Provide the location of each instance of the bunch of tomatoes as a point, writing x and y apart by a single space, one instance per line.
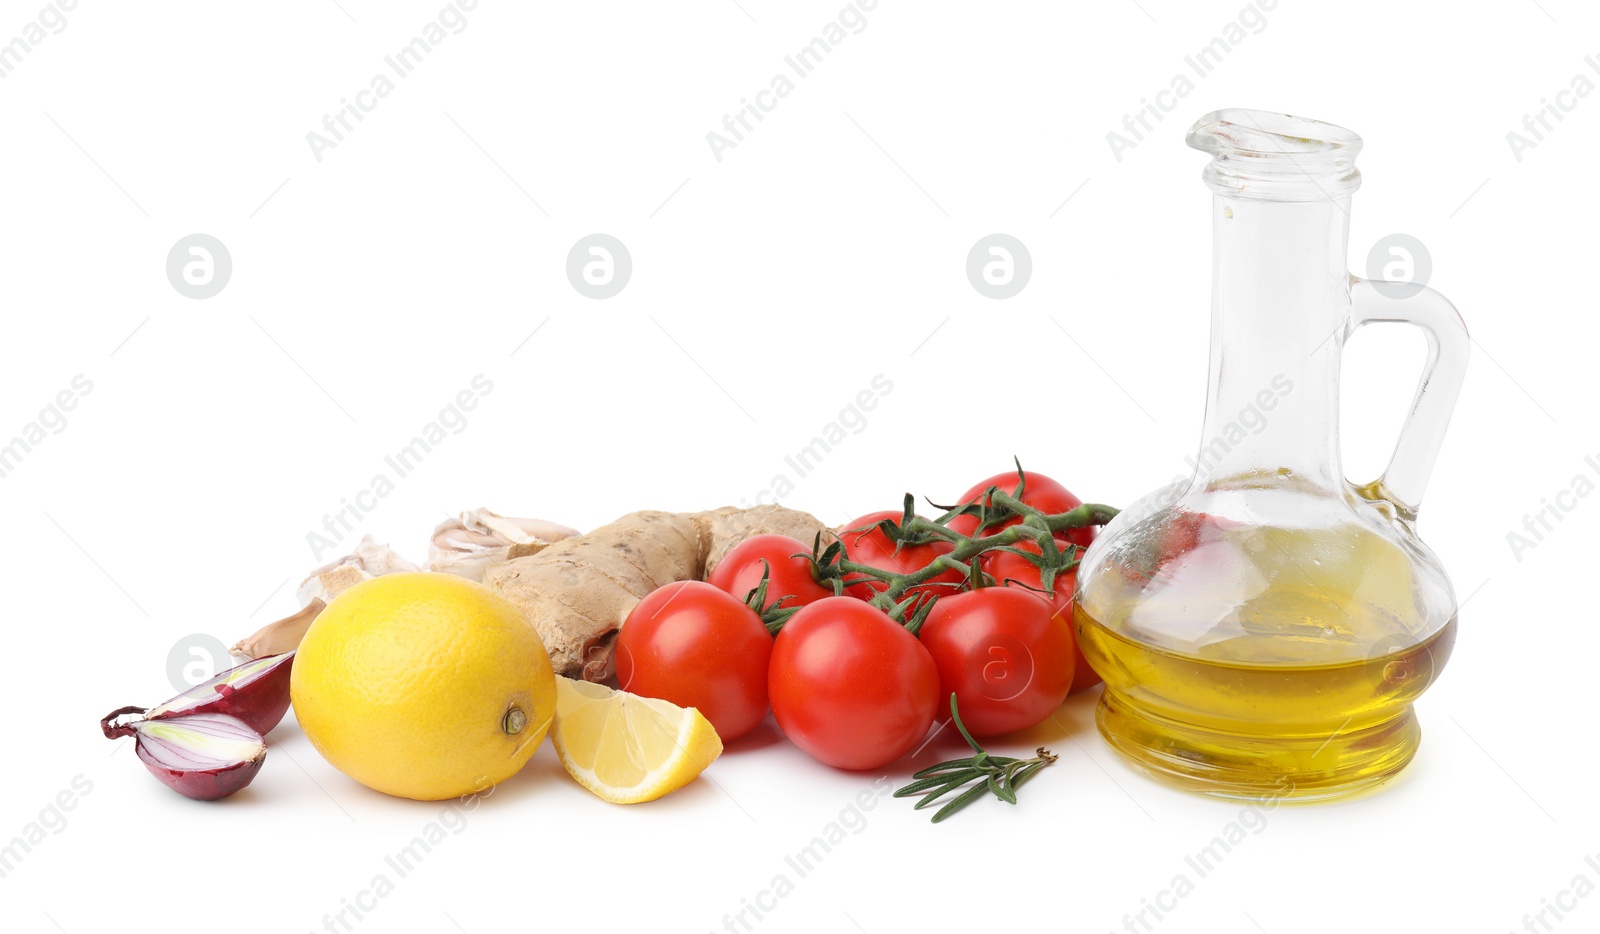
853 677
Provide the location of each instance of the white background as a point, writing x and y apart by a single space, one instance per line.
768 288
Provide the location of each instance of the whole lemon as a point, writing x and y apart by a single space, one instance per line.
423 685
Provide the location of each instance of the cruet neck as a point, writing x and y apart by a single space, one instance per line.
1262 156
1280 300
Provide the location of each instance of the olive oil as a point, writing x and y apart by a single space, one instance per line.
1266 626
1295 676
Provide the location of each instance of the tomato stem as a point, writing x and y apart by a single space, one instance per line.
773 615
995 507
1036 527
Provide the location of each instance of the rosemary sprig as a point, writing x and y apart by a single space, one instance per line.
1001 776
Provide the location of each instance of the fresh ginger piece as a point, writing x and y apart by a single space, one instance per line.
578 592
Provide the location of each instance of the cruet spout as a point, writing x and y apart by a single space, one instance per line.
1264 156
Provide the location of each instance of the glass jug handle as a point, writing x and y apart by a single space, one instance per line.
1405 479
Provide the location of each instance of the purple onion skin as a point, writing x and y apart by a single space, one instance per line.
201 784
204 785
261 703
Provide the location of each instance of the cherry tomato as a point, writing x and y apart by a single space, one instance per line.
850 686
790 578
696 646
1005 653
1180 534
1039 491
1186 531
1006 564
874 548
1008 568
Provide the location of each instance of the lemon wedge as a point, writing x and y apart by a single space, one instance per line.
626 748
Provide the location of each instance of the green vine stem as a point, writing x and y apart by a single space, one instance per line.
833 564
773 615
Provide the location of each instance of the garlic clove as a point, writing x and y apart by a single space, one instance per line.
370 559
478 539
279 636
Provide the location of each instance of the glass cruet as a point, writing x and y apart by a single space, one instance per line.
1265 627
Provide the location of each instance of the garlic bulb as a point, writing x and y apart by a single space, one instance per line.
478 539
370 559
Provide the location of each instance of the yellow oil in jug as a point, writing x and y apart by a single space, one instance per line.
1303 689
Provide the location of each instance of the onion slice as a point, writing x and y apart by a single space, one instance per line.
204 756
256 692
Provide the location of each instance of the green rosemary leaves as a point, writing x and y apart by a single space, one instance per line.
1000 776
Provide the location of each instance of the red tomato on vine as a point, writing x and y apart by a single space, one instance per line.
850 686
1005 653
790 581
873 547
1039 491
695 646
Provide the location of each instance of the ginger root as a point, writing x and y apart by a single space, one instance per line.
578 592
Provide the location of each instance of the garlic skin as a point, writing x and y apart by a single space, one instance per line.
478 539
465 546
278 636
370 559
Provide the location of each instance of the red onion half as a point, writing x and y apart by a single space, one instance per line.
204 756
256 692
